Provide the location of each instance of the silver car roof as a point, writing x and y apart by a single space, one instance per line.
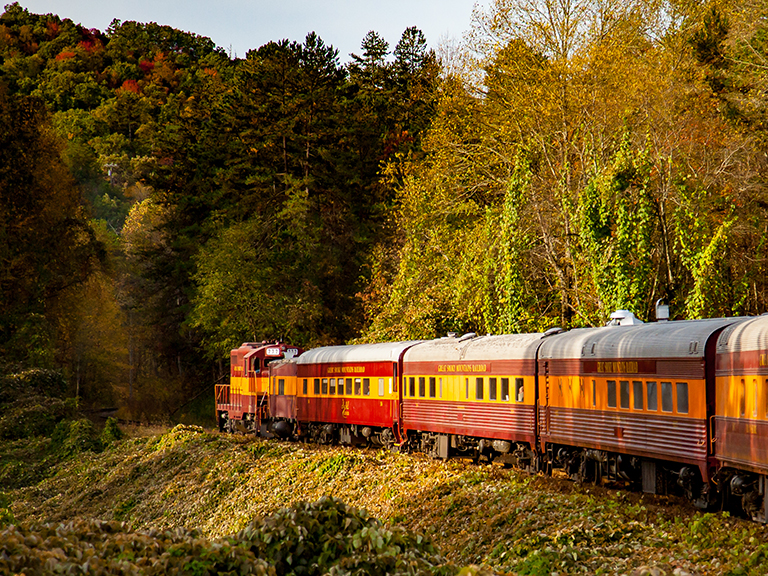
503 347
745 336
383 352
681 338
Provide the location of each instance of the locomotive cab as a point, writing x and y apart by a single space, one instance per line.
242 404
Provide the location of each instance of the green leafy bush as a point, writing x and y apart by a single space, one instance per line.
75 436
325 537
329 536
111 432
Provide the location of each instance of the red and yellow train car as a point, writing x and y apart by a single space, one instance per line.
242 403
631 402
740 419
473 396
350 393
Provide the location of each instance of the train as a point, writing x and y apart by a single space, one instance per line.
665 406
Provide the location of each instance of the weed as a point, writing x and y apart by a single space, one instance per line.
123 510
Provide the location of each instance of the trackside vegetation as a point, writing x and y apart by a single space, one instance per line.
169 499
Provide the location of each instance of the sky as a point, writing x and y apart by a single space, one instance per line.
241 25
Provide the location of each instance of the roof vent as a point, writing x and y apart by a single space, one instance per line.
623 318
552 331
467 336
662 311
451 334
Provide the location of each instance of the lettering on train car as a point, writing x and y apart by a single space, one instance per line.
763 359
620 367
463 367
345 408
346 370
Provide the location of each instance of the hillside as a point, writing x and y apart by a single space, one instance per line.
475 515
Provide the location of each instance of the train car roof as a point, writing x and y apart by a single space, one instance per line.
282 367
677 339
383 352
502 347
747 336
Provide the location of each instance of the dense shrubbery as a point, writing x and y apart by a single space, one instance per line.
326 537
34 382
34 416
33 404
40 427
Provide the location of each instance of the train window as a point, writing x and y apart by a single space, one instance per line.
332 386
765 397
390 386
754 406
432 387
281 387
666 396
491 388
611 393
304 387
349 386
624 393
637 394
317 385
441 387
594 393
505 389
682 397
381 386
422 387
412 386
366 386
479 388
519 390
325 386
742 398
466 392
358 386
651 396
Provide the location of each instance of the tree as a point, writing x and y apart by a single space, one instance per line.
46 244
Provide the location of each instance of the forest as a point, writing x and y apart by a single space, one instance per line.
162 202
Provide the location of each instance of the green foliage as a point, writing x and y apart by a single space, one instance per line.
73 437
109 547
34 416
324 537
330 536
617 225
6 516
111 432
32 382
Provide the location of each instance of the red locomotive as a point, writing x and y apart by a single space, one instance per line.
242 404
661 405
